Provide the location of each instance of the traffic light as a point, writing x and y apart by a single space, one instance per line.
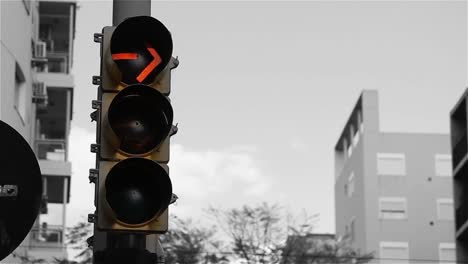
133 188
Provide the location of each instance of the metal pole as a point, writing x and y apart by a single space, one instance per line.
123 9
64 212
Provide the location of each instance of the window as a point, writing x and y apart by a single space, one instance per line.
20 92
356 138
391 164
392 208
350 184
447 253
345 148
350 150
445 209
443 165
360 122
394 252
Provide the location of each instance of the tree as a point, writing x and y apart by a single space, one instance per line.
321 248
256 233
185 243
76 238
265 234
32 260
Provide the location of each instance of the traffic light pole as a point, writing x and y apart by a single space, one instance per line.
128 8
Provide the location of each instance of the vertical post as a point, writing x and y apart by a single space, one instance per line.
68 119
159 251
70 37
128 8
153 245
64 213
44 186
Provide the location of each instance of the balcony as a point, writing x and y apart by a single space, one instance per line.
57 31
51 132
458 135
460 150
40 94
55 62
461 215
51 149
46 243
47 236
53 125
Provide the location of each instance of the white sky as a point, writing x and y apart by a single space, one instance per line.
264 88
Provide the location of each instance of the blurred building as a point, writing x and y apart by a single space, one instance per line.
36 94
458 134
393 191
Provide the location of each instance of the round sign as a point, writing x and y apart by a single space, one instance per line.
20 189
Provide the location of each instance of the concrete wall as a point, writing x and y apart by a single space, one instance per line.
15 48
15 39
352 207
421 188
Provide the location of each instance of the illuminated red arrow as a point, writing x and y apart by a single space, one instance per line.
125 56
150 67
133 56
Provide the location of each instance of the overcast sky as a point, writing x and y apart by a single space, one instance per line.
264 89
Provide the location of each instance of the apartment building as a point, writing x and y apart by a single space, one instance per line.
393 191
36 92
459 144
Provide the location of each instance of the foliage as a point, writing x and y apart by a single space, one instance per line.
310 249
76 238
26 259
65 261
266 234
260 234
185 243
253 231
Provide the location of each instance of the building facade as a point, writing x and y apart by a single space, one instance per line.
393 191
459 144
36 92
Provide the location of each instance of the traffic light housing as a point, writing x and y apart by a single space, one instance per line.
133 188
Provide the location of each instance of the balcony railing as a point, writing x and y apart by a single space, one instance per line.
51 149
41 237
459 150
461 215
40 94
56 62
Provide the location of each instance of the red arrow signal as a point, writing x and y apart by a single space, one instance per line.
125 56
151 66
133 56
